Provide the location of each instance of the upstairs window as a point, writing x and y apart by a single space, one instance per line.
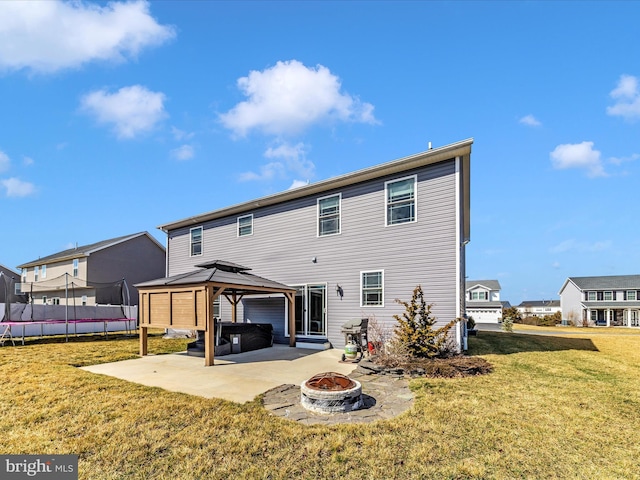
608 296
36 273
401 200
245 225
372 289
196 241
592 296
24 275
479 295
329 215
75 267
43 271
631 295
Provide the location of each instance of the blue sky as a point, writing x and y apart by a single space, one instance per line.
117 117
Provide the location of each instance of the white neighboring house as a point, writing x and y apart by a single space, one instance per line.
538 308
483 301
610 300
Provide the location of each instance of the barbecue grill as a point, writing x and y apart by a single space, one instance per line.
355 339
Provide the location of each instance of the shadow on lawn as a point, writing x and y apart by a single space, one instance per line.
506 343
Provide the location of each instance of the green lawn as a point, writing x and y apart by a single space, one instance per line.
555 407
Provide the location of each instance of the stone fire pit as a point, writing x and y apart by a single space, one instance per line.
331 392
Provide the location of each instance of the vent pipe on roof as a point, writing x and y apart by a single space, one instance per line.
430 147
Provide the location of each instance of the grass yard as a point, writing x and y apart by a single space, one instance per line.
565 406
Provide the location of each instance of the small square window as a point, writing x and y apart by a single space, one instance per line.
631 295
608 296
245 225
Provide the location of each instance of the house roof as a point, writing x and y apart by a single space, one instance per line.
234 276
8 270
484 304
539 303
489 284
460 149
617 305
611 282
86 250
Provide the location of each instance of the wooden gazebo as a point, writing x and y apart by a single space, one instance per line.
185 301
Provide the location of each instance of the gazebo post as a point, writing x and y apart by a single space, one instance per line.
209 345
143 341
292 319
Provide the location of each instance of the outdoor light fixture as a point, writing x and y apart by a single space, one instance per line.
314 259
339 291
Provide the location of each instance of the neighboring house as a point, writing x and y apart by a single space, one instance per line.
10 278
350 245
610 300
483 301
93 274
538 308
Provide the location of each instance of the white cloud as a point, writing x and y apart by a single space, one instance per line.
289 97
131 110
530 120
183 152
298 184
181 135
17 188
294 157
555 265
573 245
578 155
291 159
627 97
5 162
621 160
47 36
267 172
27 161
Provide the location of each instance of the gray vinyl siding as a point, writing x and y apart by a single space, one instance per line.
137 260
571 300
285 240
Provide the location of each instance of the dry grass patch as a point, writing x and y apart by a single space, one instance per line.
554 407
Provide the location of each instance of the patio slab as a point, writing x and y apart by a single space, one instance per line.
237 377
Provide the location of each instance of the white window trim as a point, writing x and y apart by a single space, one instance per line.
238 225
339 195
36 273
415 200
635 295
83 300
76 268
604 294
595 296
362 272
43 271
191 241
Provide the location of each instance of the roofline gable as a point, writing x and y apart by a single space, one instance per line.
84 251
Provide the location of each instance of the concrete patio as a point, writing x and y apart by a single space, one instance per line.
237 377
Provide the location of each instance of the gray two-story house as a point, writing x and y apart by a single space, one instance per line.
605 300
94 273
349 245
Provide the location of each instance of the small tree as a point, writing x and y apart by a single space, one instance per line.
510 315
415 330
